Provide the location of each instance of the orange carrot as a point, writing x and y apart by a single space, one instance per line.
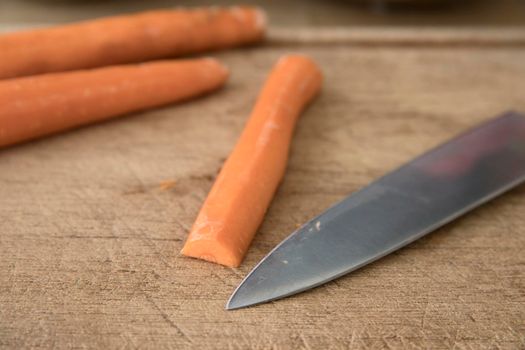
35 106
128 39
249 178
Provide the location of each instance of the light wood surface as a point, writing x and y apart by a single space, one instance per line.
92 221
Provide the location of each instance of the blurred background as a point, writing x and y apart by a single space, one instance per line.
290 13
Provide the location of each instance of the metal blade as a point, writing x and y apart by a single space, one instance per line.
393 211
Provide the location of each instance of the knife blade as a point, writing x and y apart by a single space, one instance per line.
395 210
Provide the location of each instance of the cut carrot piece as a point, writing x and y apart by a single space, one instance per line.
244 188
128 39
35 106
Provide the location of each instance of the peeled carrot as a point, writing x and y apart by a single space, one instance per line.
39 105
244 188
128 39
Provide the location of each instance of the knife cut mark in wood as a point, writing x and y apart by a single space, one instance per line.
401 37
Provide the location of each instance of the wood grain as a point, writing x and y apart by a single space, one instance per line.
90 233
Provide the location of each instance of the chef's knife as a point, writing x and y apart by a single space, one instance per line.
393 211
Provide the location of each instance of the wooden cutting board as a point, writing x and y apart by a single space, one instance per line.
92 221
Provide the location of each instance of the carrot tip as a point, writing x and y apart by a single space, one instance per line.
217 64
255 16
261 19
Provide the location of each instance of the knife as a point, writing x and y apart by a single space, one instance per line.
393 211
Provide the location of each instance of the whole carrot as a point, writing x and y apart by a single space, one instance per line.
249 178
35 106
128 39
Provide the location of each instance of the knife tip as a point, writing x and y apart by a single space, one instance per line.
240 300
228 306
234 304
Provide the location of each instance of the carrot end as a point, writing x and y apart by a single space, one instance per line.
261 19
213 252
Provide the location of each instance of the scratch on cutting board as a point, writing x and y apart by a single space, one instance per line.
305 343
425 311
168 320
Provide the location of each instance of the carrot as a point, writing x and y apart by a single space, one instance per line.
242 192
39 105
128 39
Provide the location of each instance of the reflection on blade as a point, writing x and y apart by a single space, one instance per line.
393 211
